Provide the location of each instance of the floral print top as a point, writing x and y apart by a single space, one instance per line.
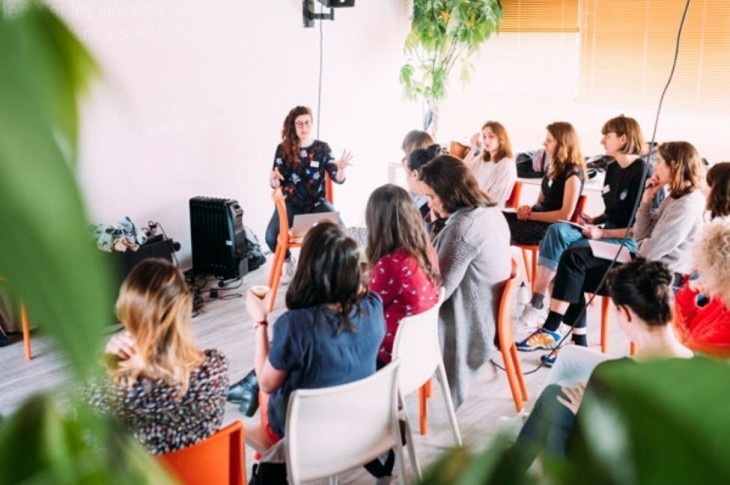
303 184
405 290
150 410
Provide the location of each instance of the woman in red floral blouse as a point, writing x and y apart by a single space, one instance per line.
404 265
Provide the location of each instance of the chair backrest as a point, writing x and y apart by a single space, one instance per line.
504 324
218 460
417 348
334 429
458 150
579 207
514 198
278 197
328 188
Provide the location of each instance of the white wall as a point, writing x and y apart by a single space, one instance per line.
194 95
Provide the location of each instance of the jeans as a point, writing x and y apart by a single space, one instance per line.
272 230
561 236
547 428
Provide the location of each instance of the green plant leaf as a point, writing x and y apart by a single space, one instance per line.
45 251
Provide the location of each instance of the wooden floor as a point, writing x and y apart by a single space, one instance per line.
225 325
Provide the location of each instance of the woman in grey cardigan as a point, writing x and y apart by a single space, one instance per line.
474 257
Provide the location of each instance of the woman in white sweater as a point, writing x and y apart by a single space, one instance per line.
474 257
493 166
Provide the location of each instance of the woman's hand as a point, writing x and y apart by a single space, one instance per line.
523 212
651 189
257 307
586 218
575 396
474 141
344 160
592 232
121 345
275 178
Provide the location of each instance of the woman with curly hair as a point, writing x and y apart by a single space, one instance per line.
300 164
165 390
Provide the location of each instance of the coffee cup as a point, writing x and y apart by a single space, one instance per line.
260 291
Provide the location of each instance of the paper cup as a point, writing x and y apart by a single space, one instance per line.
260 291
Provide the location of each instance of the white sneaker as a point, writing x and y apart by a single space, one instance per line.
509 427
532 318
290 267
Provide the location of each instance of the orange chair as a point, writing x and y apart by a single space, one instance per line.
514 198
25 328
605 315
218 460
328 187
507 343
531 270
284 242
458 150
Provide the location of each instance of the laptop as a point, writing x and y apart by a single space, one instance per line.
304 222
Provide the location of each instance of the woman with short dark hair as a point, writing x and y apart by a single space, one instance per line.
474 257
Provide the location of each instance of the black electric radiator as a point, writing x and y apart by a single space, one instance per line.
218 239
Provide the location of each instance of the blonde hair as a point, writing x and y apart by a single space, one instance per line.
567 149
685 167
416 139
155 306
505 147
712 258
623 125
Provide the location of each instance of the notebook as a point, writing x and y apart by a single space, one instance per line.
304 222
608 251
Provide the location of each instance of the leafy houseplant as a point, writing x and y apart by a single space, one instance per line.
47 257
442 33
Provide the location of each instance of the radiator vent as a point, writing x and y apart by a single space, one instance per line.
218 239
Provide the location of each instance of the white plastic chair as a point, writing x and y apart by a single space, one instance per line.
334 429
417 349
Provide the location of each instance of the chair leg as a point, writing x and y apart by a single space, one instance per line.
333 480
276 270
534 270
512 379
427 387
422 410
605 309
26 332
527 265
444 383
410 443
518 371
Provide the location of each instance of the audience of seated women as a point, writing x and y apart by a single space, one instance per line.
474 258
642 293
166 391
622 186
666 235
492 162
703 305
560 190
404 266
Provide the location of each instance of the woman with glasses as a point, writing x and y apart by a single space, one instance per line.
299 170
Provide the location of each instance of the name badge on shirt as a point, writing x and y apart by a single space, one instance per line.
314 164
606 189
624 193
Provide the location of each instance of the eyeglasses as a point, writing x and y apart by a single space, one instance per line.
303 124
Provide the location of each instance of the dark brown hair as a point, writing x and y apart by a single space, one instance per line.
290 143
645 287
394 223
505 147
718 200
623 125
567 149
685 167
328 273
454 184
421 156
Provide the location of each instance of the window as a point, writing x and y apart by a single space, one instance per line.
539 16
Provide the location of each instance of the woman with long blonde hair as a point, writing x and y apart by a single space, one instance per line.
560 190
165 390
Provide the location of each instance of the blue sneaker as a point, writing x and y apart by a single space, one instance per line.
548 360
540 339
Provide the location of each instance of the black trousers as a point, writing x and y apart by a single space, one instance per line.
578 272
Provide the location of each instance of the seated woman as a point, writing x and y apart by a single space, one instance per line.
404 264
412 166
474 257
664 235
718 199
642 293
492 162
622 186
166 391
560 190
299 168
332 330
703 305
415 140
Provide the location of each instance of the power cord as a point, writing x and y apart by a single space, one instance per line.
634 210
321 63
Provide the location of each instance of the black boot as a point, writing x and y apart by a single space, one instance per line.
246 393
